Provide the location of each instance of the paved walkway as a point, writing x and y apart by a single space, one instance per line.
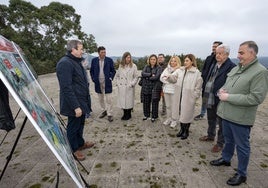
135 153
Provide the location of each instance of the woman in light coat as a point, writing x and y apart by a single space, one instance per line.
187 90
169 89
126 78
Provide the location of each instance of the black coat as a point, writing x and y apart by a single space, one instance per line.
74 85
209 64
221 77
151 84
6 118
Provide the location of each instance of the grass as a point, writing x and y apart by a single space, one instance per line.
99 165
195 169
46 178
113 164
263 165
37 185
202 156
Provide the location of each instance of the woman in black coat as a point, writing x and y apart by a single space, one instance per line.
151 88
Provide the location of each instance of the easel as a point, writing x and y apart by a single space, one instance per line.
14 146
8 131
9 157
83 179
29 116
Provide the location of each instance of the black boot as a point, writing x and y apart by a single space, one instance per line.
125 115
128 114
180 133
186 132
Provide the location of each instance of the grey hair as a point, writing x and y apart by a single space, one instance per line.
251 45
225 47
73 44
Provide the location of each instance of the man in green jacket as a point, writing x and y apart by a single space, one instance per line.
245 88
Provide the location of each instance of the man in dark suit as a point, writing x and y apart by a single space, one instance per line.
102 73
214 82
163 64
74 96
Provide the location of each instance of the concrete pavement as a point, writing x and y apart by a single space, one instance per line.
130 154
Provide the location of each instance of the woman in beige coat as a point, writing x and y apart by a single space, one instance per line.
187 90
126 78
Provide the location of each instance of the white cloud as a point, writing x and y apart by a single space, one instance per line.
171 26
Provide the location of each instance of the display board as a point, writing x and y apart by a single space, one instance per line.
25 89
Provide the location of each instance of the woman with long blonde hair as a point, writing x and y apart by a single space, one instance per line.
169 89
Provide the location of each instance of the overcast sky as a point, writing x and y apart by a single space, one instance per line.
143 27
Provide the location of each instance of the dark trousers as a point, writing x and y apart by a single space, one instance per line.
164 106
147 103
213 119
75 128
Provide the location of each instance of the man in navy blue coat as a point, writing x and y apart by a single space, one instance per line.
215 80
74 96
102 73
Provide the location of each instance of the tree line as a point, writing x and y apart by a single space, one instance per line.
43 32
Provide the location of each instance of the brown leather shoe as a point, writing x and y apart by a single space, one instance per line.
216 149
103 114
206 139
79 155
86 145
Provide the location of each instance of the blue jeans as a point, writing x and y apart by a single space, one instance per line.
236 135
75 128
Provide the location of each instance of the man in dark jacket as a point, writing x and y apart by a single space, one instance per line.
208 66
102 73
6 118
74 96
214 82
163 64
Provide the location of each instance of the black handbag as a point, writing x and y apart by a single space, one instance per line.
140 82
